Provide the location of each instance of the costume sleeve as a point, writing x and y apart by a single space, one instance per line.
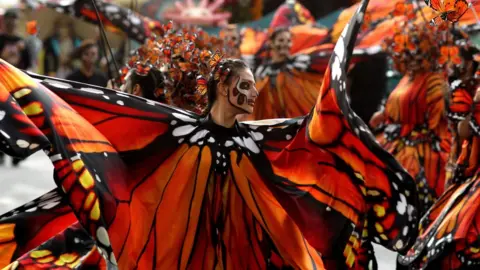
26 227
386 186
460 102
435 98
437 110
72 248
104 143
333 178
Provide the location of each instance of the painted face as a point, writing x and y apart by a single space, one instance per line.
242 92
282 44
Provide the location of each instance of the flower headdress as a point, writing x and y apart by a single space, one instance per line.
412 44
185 58
439 42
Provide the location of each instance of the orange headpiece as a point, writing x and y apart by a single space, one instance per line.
184 57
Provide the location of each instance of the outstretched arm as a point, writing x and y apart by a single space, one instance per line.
104 143
334 126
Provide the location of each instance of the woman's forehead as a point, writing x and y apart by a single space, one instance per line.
246 74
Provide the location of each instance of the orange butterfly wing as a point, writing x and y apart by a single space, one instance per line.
28 226
214 60
451 10
460 104
333 130
202 85
444 55
460 7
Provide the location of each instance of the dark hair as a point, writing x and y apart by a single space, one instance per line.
84 46
149 83
11 13
468 55
277 32
235 66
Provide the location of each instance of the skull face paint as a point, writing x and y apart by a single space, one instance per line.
242 93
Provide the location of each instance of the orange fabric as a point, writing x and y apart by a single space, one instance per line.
417 106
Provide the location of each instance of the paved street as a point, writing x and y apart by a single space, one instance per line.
34 177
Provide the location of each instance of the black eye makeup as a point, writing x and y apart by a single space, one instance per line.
244 85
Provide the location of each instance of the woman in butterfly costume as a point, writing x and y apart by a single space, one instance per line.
413 125
463 85
288 85
187 191
449 230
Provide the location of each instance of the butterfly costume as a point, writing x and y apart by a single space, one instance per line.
156 187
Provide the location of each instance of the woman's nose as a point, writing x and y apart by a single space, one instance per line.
255 92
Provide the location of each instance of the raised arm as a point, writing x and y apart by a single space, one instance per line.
103 144
333 125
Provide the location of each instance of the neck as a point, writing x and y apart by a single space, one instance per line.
221 116
277 58
87 70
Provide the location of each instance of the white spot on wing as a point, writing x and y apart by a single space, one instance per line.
122 94
250 144
199 135
402 205
183 130
102 236
22 143
4 134
257 136
92 90
184 118
57 84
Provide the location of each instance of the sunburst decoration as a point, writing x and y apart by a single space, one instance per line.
203 13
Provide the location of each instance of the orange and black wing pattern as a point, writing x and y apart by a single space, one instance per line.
389 190
90 151
460 101
72 248
113 17
449 55
357 190
29 225
447 10
24 140
417 132
289 90
449 231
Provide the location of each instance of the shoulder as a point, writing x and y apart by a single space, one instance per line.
100 75
74 74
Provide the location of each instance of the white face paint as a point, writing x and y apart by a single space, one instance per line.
242 93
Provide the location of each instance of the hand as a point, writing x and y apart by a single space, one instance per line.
476 98
463 128
377 119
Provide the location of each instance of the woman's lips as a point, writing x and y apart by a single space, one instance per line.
251 102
